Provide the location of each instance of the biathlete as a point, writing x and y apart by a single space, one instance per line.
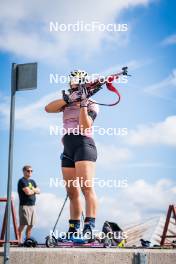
80 153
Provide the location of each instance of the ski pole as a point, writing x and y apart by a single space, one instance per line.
60 213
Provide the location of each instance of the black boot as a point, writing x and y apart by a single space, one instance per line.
89 224
73 230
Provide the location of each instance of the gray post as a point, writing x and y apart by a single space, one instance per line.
10 165
23 77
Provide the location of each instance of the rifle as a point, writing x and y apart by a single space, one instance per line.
91 88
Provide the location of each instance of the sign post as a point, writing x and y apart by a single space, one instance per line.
23 77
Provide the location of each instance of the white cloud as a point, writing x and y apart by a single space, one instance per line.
170 40
31 116
138 202
110 155
25 32
164 89
147 164
132 66
48 207
163 133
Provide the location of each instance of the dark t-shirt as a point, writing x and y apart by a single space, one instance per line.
24 198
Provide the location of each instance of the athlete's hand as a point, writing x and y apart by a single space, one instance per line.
84 103
84 98
75 96
83 94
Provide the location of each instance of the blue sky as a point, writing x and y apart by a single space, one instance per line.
146 156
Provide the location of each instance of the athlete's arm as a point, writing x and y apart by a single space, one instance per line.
85 121
55 106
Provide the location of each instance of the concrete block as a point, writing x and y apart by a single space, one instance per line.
87 256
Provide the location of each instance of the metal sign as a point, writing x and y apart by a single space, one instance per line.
23 77
26 76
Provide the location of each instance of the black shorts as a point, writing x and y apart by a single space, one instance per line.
77 148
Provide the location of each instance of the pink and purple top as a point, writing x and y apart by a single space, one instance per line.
71 118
